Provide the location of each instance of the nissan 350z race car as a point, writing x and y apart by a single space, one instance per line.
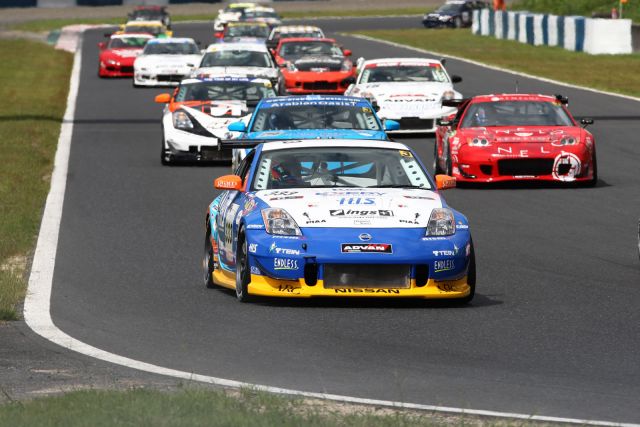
336 218
515 137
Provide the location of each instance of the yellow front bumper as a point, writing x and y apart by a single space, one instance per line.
265 286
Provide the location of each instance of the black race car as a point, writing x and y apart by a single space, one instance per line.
151 13
453 14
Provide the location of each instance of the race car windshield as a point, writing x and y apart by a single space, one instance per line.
247 31
127 42
298 49
314 116
306 34
224 91
448 9
354 167
515 113
260 14
404 73
236 58
148 29
148 15
171 49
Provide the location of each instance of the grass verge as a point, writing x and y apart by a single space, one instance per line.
30 117
606 72
54 24
206 407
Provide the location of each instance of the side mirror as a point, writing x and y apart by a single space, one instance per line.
444 182
102 45
163 98
443 61
346 52
456 79
586 122
218 34
443 122
391 125
228 182
237 127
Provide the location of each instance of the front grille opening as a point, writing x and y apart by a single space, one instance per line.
367 276
525 167
422 275
486 169
564 168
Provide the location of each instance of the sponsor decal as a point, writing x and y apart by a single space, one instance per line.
343 193
357 201
285 264
571 165
405 153
361 222
255 226
446 287
285 198
419 197
313 221
282 251
444 265
365 237
282 193
373 248
355 212
249 205
430 239
288 289
253 247
365 291
255 270
444 253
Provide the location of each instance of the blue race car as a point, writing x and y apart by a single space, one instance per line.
312 116
336 218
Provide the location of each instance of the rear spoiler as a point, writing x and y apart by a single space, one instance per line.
228 144
454 102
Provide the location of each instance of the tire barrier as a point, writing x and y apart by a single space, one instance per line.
576 33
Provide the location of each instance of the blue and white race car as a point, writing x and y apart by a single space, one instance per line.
312 116
337 218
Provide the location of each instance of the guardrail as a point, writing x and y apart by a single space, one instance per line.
576 33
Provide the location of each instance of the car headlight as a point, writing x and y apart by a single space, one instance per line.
346 66
291 67
478 142
441 223
568 140
448 94
181 120
278 221
111 62
445 17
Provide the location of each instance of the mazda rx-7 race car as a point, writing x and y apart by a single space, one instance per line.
511 137
165 62
197 115
309 117
311 65
336 218
118 54
408 90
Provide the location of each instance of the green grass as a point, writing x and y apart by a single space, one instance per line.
53 24
30 115
193 407
578 7
606 72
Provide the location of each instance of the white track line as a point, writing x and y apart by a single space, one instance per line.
488 66
37 304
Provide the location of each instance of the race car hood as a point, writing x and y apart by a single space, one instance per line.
319 133
215 116
530 134
167 61
118 54
355 207
319 63
405 99
250 72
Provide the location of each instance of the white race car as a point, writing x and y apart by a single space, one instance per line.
268 15
292 31
196 117
165 62
234 12
248 59
407 90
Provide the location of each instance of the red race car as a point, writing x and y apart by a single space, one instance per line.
117 55
495 138
311 65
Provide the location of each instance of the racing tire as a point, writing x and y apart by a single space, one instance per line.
242 269
164 159
436 163
594 165
448 164
208 266
471 278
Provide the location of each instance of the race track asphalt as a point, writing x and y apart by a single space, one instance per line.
554 329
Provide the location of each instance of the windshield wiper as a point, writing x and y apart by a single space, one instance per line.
397 186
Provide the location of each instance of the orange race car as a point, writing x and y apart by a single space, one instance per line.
311 65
